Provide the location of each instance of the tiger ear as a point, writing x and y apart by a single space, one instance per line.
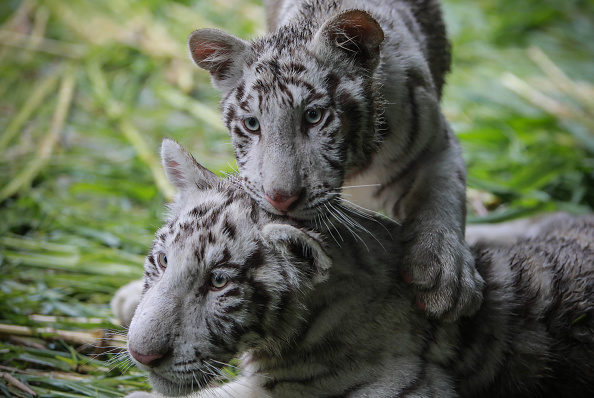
301 244
354 33
220 53
182 170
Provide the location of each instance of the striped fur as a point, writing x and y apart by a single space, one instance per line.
314 315
375 71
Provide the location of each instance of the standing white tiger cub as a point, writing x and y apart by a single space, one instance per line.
315 318
343 93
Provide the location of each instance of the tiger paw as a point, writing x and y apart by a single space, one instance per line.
126 299
441 269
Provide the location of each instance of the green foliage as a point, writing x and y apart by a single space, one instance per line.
89 88
521 101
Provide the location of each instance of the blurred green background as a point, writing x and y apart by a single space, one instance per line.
89 88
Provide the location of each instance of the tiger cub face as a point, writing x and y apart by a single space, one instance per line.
299 104
220 278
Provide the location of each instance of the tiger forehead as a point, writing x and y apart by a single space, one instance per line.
214 235
288 39
212 220
279 68
288 83
292 71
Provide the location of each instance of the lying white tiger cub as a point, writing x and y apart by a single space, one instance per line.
314 316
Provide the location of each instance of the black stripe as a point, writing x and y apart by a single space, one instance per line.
332 83
240 91
214 335
261 102
198 211
295 68
229 228
412 136
313 95
334 164
224 338
287 99
413 131
230 115
199 252
254 260
270 385
329 119
245 105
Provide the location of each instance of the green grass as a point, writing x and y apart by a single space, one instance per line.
89 89
521 99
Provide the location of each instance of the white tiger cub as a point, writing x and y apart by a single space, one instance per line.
317 317
347 93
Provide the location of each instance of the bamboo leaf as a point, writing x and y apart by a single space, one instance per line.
38 95
24 178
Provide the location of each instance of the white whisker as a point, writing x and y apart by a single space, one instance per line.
329 229
354 211
360 210
327 218
350 224
361 186
127 366
198 383
224 364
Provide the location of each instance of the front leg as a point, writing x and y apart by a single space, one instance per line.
437 261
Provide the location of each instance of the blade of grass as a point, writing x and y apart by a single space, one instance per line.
558 77
61 319
115 112
38 373
19 242
71 264
179 100
24 178
146 155
15 20
40 92
74 337
62 262
50 46
538 98
17 383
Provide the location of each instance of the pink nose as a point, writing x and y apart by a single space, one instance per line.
281 200
149 360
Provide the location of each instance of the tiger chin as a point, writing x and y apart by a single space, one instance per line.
313 316
341 99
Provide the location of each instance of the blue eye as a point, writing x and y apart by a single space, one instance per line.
162 261
219 281
252 124
313 116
